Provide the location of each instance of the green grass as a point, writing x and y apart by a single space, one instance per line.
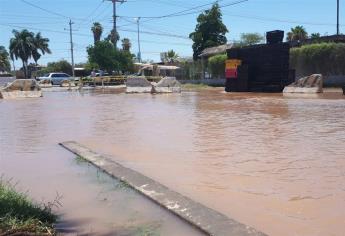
195 86
19 215
147 230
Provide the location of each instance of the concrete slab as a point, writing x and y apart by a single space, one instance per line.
20 94
207 220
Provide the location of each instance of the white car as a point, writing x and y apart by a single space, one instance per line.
56 78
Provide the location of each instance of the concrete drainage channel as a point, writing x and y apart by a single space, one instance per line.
207 220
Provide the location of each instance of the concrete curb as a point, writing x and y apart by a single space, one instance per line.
207 220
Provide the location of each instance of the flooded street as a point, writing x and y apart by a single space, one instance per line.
268 161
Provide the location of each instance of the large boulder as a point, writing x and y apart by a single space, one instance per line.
21 88
309 84
46 83
67 83
138 84
168 85
22 85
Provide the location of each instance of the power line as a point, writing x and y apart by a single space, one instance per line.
43 9
89 16
260 18
188 11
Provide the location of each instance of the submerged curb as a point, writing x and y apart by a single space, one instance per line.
207 220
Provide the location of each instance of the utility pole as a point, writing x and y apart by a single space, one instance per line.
71 40
115 18
338 32
139 53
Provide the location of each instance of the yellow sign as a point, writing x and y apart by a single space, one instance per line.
232 64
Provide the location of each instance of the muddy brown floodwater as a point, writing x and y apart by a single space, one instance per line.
272 162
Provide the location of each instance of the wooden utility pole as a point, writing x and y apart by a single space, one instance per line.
71 41
115 18
139 53
338 31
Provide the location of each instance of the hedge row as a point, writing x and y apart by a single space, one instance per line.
323 58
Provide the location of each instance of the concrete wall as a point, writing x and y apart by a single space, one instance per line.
329 81
210 82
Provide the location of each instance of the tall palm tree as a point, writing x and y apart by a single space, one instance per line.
21 46
97 30
297 34
126 44
113 37
41 45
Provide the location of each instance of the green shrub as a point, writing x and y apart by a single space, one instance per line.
321 58
216 64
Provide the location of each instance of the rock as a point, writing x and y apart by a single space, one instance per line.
343 89
168 82
138 84
168 85
46 83
21 88
22 85
309 84
67 83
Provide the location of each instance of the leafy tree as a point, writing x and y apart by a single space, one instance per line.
108 58
97 30
209 31
4 60
21 46
126 44
248 39
41 44
297 34
60 66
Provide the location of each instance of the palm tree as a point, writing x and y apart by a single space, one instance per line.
97 30
41 45
171 56
315 36
126 44
21 46
113 37
297 34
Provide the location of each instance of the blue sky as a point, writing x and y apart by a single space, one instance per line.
251 16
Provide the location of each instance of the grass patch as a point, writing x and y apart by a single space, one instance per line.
147 230
80 160
19 215
195 86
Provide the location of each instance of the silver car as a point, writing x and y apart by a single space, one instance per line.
56 78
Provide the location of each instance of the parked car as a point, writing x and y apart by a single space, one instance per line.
97 73
56 78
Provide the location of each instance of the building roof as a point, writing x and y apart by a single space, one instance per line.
215 50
